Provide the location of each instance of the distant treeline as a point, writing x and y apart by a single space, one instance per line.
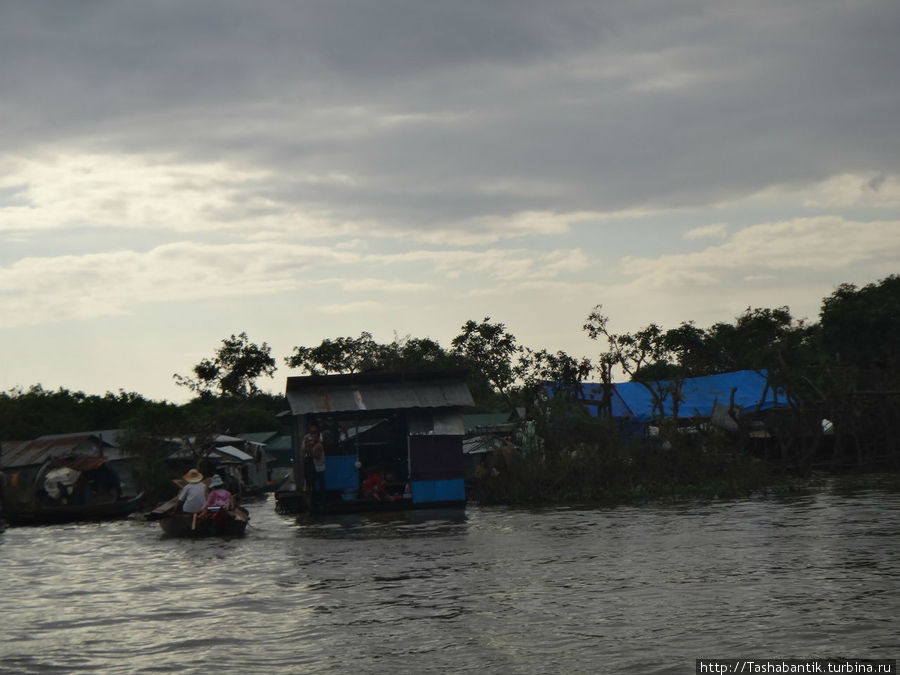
29 413
844 367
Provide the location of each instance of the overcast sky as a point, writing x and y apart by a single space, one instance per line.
174 172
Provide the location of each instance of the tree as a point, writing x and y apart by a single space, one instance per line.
489 349
759 339
860 373
337 356
362 354
34 412
659 359
233 371
687 351
538 367
629 352
861 326
409 354
643 352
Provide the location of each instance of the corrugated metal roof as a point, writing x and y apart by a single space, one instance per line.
485 420
282 442
28 453
79 462
325 394
225 438
260 436
232 451
479 445
11 451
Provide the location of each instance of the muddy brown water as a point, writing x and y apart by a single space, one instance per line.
644 589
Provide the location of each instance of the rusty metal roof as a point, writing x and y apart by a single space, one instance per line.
79 462
335 394
10 449
28 453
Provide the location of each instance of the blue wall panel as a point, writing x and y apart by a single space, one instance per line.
424 491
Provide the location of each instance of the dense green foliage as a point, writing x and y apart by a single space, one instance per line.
362 354
233 371
25 414
614 467
861 326
490 349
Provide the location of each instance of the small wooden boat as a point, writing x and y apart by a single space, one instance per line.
215 522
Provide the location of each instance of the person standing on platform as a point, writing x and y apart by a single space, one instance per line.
314 460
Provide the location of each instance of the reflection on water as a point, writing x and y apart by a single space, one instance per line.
486 590
387 525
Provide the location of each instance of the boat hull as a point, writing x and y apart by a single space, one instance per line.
71 513
290 502
220 524
370 506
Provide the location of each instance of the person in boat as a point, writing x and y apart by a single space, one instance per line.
219 496
373 487
314 460
192 497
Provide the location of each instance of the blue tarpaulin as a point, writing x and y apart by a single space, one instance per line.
341 472
698 395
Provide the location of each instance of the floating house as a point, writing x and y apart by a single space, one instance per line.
278 449
22 460
408 428
65 478
487 435
243 463
245 459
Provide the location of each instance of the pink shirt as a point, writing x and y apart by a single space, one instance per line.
219 497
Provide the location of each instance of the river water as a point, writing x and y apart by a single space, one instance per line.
566 590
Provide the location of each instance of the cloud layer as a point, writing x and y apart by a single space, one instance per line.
408 166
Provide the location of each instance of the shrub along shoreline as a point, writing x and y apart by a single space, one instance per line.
615 469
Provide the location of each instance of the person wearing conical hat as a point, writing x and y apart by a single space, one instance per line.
193 495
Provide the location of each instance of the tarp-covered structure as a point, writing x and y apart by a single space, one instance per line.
698 396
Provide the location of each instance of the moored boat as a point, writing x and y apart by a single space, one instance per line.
50 514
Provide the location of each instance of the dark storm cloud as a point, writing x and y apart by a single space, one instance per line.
427 107
124 56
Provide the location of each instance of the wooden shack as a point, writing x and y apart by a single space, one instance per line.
408 427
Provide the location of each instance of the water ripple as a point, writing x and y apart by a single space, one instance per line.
574 589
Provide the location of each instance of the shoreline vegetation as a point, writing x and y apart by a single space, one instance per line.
634 474
840 378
